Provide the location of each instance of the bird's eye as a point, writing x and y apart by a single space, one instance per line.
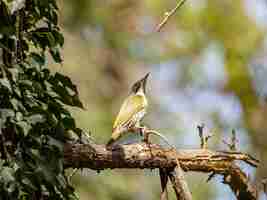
135 87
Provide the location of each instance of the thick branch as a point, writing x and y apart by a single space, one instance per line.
141 156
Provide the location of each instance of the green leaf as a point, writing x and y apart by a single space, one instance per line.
6 113
43 37
59 37
32 113
54 17
54 51
19 116
45 74
36 118
77 102
68 123
6 25
56 143
6 174
37 59
51 39
5 82
17 5
25 127
66 81
57 109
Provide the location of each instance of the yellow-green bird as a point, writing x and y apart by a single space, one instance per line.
131 112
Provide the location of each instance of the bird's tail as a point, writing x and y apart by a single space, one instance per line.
114 137
110 143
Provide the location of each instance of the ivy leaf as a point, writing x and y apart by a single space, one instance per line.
43 37
24 126
17 5
36 118
6 113
66 81
5 82
68 123
6 25
32 99
59 37
77 102
51 39
6 173
54 51
37 59
54 17
28 183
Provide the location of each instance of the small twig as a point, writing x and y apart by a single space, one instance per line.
203 139
149 131
201 135
86 137
232 145
235 155
212 175
72 174
169 14
153 132
163 181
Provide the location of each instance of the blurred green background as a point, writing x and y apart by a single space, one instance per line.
208 65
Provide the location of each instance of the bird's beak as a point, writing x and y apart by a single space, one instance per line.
144 81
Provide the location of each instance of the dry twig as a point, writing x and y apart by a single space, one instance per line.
163 182
169 14
203 138
232 145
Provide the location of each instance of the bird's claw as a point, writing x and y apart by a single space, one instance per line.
145 134
142 131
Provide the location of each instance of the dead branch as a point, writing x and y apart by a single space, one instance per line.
141 155
163 182
169 14
179 183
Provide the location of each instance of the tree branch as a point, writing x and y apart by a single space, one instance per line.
179 183
141 155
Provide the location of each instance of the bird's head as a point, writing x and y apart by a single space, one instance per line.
140 85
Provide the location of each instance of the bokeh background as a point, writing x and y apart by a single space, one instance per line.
208 65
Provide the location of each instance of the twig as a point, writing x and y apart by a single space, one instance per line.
211 176
203 139
153 132
233 143
169 14
72 174
148 132
201 135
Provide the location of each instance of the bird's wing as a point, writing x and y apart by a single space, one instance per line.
131 106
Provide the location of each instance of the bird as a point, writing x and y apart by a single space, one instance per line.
132 111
